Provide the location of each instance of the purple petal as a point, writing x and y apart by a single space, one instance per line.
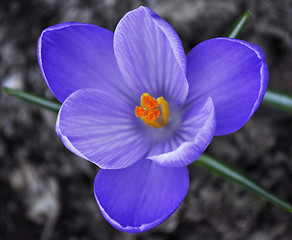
102 129
191 139
234 74
140 197
76 55
150 56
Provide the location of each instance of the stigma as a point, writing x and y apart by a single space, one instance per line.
154 113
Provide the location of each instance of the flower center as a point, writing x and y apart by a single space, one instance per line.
154 113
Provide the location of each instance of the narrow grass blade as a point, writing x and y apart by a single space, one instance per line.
278 100
233 175
237 27
40 101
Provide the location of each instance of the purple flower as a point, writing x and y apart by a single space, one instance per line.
141 110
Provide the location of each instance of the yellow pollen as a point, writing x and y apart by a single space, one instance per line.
153 112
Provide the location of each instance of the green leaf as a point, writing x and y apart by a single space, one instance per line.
228 172
278 100
40 101
237 27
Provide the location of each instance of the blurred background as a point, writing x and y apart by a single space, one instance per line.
46 191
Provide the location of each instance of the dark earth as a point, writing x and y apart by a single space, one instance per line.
46 191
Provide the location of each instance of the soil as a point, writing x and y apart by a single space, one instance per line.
46 191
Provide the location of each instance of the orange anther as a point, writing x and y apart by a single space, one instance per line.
148 101
140 112
149 108
152 115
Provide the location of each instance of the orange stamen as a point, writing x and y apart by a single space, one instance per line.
151 109
149 102
152 115
140 112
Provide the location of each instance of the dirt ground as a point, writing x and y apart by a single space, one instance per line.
46 191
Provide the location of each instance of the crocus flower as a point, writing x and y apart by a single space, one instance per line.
141 110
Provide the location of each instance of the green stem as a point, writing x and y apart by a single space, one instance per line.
278 100
237 27
40 101
233 175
